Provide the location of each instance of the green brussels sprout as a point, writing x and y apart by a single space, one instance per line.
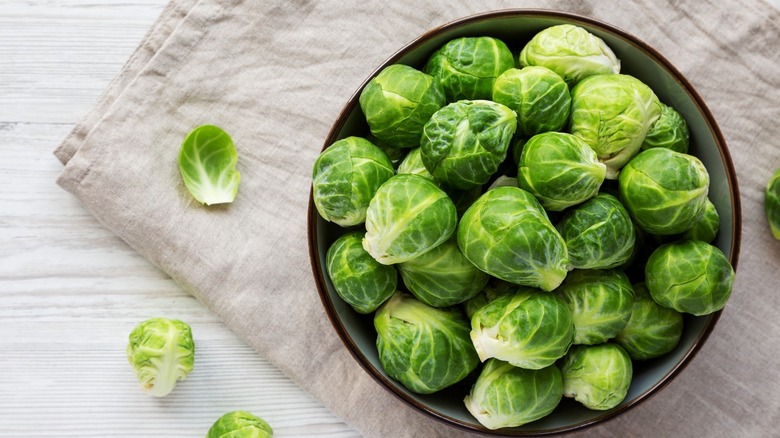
464 142
507 234
600 302
507 396
502 181
207 164
529 329
412 164
425 348
598 376
398 101
492 290
538 95
359 280
560 170
443 276
161 352
652 330
570 51
599 233
772 204
689 276
612 114
345 177
706 227
408 216
669 131
240 424
467 67
664 191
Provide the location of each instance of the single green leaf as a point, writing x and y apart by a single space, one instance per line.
207 161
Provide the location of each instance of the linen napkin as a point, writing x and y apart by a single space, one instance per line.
274 74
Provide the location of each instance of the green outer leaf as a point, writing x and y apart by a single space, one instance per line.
240 424
207 162
598 376
772 204
652 330
162 352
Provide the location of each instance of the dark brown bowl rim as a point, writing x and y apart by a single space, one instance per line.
733 256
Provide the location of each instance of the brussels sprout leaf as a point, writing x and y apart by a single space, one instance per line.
207 161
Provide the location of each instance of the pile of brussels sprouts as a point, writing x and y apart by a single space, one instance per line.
544 216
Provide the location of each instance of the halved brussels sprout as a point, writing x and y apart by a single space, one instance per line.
507 396
345 177
408 216
538 95
507 234
706 227
599 233
442 276
598 376
652 330
529 329
467 67
664 191
689 276
560 170
612 114
570 51
464 142
359 280
600 302
772 204
669 131
425 348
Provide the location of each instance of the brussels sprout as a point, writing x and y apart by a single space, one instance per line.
600 302
464 198
664 191
207 163
560 170
398 102
162 352
408 216
538 95
507 396
570 51
345 178
612 114
529 329
689 276
502 181
359 280
464 142
598 376
652 330
706 227
425 348
669 131
492 290
772 204
599 233
467 67
394 153
442 276
507 234
240 424
412 164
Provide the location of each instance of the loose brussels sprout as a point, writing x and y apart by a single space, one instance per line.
442 276
240 424
207 163
538 95
345 178
600 302
669 131
570 51
706 227
464 142
467 67
359 280
689 276
412 164
612 114
492 290
599 233
398 102
425 348
161 352
408 216
507 396
772 204
529 329
652 330
506 233
560 170
664 191
598 376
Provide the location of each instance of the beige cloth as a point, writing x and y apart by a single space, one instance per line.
275 74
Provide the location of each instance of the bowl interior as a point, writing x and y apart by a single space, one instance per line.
516 27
